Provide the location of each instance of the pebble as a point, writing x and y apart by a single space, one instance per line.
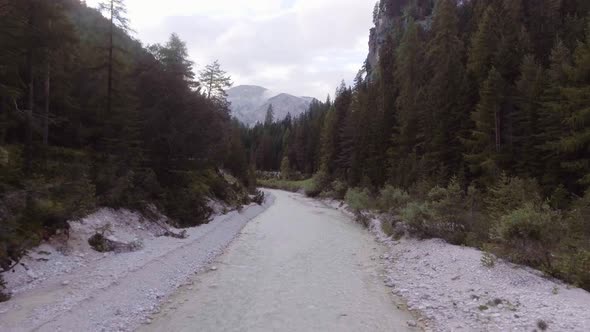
213 268
65 282
412 323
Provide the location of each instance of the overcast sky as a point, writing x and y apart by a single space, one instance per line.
302 47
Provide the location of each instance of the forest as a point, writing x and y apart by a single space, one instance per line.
474 127
90 117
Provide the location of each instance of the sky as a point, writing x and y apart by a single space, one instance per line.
301 47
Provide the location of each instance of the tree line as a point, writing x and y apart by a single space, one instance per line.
469 100
90 117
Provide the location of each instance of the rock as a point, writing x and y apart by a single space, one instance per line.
31 274
412 323
65 282
213 268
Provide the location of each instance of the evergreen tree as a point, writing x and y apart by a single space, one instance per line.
116 11
270 116
214 80
485 143
444 116
575 103
483 45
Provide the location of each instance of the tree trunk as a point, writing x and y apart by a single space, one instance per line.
47 96
110 74
28 162
498 131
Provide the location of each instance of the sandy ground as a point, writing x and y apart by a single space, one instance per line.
452 291
73 288
299 266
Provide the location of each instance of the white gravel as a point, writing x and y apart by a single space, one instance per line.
74 288
300 266
453 291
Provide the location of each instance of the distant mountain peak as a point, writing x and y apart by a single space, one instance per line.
249 103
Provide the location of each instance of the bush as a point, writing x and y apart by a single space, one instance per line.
337 190
529 233
574 267
450 212
318 182
418 216
358 199
392 199
285 169
510 193
3 296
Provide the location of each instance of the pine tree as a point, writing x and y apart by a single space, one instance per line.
551 117
116 11
444 116
575 105
483 45
408 142
270 116
215 80
529 87
485 142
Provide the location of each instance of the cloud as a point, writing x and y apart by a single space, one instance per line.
303 47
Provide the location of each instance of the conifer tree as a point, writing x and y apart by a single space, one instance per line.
443 116
529 87
485 143
214 80
575 105
483 45
116 11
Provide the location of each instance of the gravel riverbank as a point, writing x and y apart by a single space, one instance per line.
453 291
74 288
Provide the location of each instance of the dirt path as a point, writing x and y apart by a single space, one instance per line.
299 266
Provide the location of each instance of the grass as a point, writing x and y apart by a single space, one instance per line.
287 185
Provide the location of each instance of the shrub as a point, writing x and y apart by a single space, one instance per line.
358 199
578 218
529 232
318 182
418 216
510 193
285 169
3 296
392 199
449 212
337 190
574 267
488 259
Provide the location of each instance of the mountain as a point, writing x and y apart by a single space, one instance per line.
249 103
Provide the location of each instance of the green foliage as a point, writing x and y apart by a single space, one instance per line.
337 189
293 186
285 169
392 199
418 216
318 182
358 199
531 232
488 259
510 193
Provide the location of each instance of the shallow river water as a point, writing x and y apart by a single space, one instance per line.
299 266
